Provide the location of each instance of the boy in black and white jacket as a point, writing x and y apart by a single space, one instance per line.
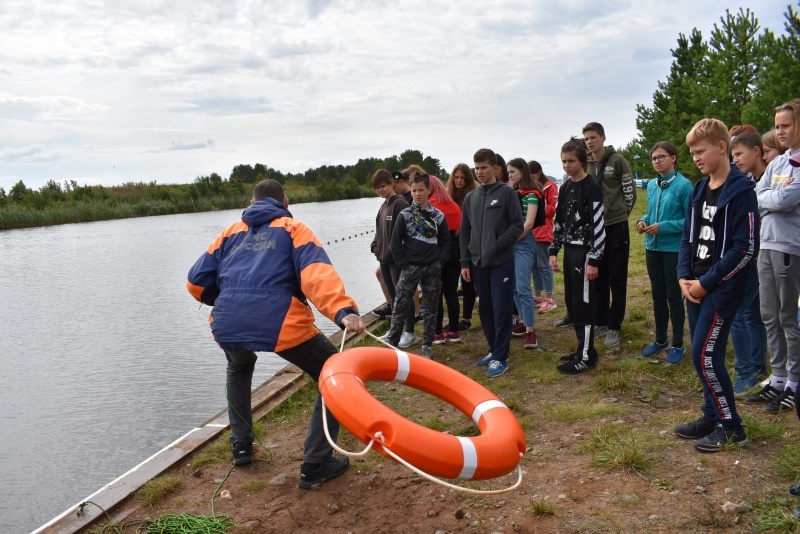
580 229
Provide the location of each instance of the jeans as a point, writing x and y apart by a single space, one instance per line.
542 272
524 258
662 268
310 356
749 335
709 332
496 288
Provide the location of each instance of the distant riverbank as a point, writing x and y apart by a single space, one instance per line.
55 204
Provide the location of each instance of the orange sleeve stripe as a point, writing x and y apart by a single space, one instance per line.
195 290
322 285
301 234
235 228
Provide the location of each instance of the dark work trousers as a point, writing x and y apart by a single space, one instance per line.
612 277
662 268
579 294
709 332
468 300
495 285
391 274
309 356
450 273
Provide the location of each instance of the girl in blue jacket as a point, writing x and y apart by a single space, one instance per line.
667 201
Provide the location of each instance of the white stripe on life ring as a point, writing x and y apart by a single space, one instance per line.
470 458
403 366
484 407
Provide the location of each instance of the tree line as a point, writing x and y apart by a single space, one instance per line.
739 75
70 202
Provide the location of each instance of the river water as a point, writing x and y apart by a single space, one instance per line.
106 358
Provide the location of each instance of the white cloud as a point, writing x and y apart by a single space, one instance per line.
110 92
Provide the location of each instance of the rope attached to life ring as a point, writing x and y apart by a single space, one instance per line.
379 438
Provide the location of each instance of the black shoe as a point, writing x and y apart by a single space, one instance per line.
577 366
794 489
721 437
564 321
767 394
569 357
383 311
313 476
242 453
696 429
464 324
784 401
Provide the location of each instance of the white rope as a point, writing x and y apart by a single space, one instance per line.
379 438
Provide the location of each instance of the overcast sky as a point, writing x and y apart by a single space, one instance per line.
107 92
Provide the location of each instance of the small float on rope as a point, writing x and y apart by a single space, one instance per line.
497 451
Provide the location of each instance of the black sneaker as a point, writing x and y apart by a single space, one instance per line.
577 366
242 453
696 429
564 321
383 311
314 476
767 394
464 324
721 437
784 401
569 357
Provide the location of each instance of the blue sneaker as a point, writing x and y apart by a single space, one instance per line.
675 355
654 348
497 368
486 360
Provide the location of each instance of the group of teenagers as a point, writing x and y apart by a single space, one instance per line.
725 251
729 246
494 227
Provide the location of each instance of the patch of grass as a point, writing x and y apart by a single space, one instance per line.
252 486
180 501
618 447
638 315
216 452
663 484
786 463
542 508
290 411
569 413
156 489
762 427
469 430
651 394
435 422
774 514
614 382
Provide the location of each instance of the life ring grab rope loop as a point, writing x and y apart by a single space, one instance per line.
379 438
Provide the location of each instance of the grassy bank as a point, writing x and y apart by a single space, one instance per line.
87 204
601 455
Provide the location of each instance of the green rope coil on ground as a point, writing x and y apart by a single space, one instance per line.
190 524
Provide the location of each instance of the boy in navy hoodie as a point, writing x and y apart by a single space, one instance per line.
715 266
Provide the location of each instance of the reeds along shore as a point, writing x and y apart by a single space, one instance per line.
97 203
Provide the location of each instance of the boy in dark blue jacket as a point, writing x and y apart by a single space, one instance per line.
715 266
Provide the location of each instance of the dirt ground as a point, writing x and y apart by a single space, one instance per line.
576 477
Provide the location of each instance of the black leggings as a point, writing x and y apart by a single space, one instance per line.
450 273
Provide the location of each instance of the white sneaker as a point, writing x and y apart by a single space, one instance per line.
407 339
385 337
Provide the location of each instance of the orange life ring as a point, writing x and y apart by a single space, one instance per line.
496 452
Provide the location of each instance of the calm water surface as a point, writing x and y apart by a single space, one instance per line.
106 358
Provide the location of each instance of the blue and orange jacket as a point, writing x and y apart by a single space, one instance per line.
736 226
257 275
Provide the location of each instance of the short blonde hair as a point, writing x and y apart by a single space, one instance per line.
711 130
